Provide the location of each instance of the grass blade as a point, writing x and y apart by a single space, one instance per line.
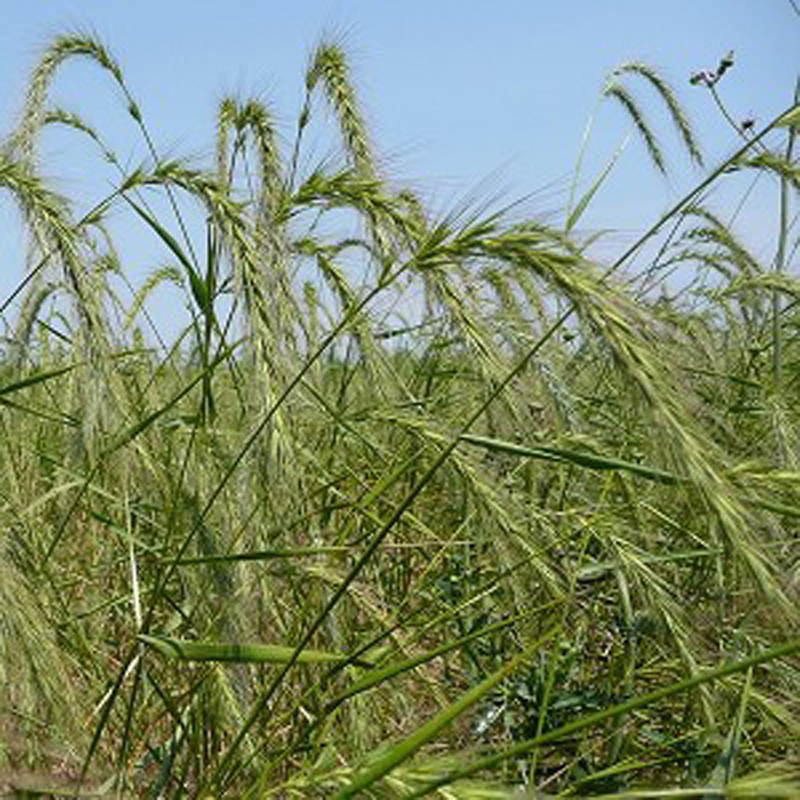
726 766
239 653
36 378
578 457
378 676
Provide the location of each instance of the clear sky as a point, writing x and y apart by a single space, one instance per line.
456 92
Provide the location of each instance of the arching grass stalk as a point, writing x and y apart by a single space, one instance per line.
614 89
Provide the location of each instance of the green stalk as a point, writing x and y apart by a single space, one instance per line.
780 257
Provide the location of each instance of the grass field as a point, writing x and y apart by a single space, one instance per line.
416 504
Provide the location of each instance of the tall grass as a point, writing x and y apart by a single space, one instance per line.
413 504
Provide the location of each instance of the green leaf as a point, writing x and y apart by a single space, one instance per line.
239 653
580 458
32 380
198 287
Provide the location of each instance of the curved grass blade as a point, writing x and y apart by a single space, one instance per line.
199 288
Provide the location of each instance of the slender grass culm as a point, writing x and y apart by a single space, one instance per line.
411 505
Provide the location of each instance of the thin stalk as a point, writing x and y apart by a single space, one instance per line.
581 156
780 257
726 114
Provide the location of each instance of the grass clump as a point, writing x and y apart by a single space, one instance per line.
412 505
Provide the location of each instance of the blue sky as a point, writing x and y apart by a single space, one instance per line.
459 95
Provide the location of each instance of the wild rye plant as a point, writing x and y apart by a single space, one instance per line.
413 504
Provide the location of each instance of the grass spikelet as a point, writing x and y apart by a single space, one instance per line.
36 296
722 237
57 237
226 121
624 97
251 117
38 695
621 326
670 99
62 49
167 274
73 121
775 164
329 67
